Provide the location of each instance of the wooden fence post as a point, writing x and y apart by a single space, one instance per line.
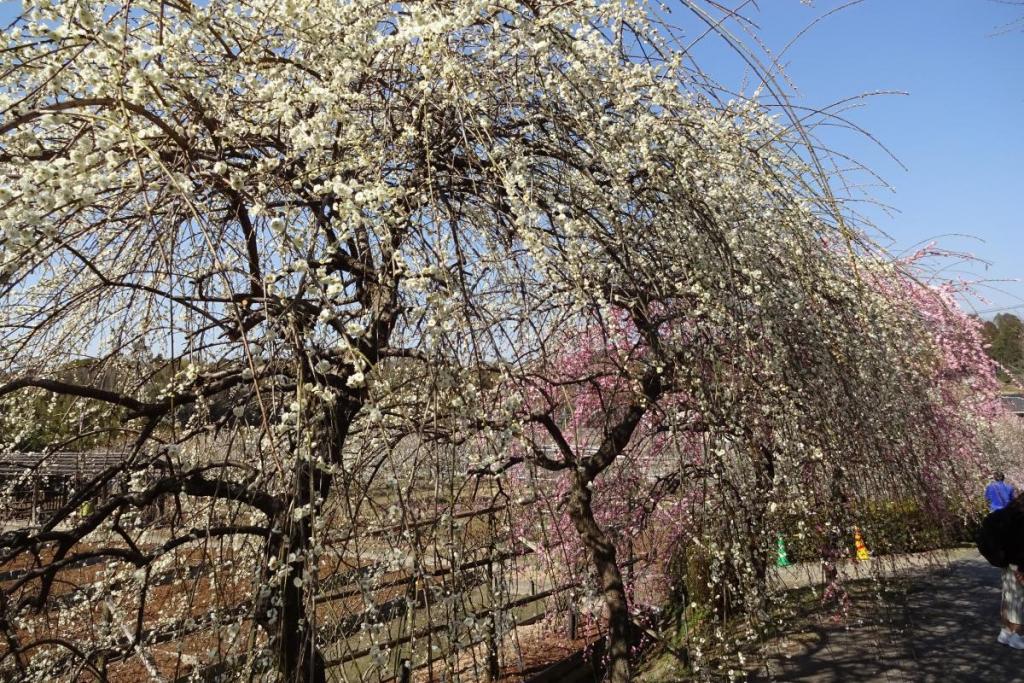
35 500
491 630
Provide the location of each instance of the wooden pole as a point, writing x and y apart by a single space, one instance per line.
490 631
35 500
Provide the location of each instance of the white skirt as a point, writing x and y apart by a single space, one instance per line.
1013 597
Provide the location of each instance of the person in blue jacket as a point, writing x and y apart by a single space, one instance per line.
998 493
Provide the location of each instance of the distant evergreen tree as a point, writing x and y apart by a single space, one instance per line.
1004 336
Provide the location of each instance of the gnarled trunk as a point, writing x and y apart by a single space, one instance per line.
602 552
291 629
834 550
298 658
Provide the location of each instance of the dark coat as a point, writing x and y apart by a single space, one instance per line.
1001 537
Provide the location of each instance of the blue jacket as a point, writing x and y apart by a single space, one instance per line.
999 494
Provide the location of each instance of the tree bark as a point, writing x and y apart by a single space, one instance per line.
763 546
835 543
299 658
293 632
602 552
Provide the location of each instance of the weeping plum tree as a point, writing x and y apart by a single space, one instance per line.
959 388
878 390
749 336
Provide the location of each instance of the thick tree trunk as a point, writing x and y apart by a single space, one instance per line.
835 544
602 552
293 631
763 543
299 658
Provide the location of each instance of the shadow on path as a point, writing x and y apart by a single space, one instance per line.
942 629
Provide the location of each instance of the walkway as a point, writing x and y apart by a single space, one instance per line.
940 627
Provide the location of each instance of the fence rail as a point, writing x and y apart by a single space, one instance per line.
403 623
59 463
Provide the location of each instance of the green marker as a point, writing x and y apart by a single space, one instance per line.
783 556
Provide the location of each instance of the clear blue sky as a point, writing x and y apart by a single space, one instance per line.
959 129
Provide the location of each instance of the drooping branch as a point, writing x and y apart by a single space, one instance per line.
137 408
